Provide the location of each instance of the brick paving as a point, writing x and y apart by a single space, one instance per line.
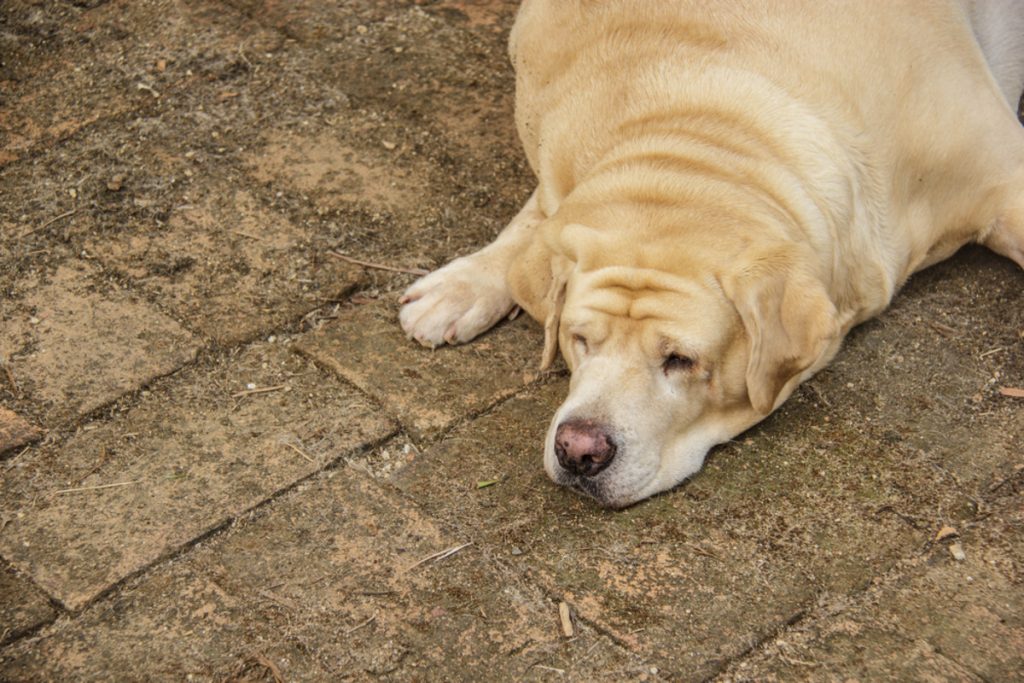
220 460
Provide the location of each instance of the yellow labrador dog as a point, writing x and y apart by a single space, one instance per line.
725 188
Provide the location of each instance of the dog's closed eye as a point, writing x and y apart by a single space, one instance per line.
675 362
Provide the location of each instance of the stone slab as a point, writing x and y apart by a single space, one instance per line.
940 619
196 451
695 577
927 373
230 268
75 343
15 431
427 391
23 607
69 65
331 581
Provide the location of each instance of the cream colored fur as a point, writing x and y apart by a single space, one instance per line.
736 183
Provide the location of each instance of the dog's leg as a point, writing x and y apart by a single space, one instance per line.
1007 234
469 295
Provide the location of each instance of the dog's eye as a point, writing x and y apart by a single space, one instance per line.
674 362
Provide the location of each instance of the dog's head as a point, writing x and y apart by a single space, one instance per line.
669 361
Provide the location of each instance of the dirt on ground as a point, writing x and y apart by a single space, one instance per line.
221 460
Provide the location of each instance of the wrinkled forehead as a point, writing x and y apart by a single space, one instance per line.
620 298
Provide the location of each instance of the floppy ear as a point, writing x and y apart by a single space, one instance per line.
538 279
790 322
555 301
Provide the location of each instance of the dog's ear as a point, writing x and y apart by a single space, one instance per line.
555 302
538 280
789 319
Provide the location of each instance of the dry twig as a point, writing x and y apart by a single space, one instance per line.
300 452
48 223
279 599
565 617
261 390
266 663
101 486
360 625
378 266
439 555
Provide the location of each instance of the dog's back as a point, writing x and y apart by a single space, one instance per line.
999 27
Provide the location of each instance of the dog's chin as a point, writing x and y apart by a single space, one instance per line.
602 489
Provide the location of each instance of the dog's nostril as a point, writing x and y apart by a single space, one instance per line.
583 447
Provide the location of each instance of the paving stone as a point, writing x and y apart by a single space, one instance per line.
308 21
420 164
330 581
941 619
196 451
695 577
23 607
67 67
871 656
927 373
494 15
14 431
75 344
230 268
329 168
426 390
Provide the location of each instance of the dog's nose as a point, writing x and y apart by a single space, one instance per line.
583 447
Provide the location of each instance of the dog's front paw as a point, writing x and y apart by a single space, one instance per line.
455 304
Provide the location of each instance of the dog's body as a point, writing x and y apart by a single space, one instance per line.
725 188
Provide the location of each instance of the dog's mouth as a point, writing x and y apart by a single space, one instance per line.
589 488
601 488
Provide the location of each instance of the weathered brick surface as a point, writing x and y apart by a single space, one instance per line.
942 619
69 65
426 390
344 589
15 431
75 343
926 375
23 607
195 452
173 174
229 268
692 578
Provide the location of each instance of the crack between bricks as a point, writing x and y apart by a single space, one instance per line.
214 531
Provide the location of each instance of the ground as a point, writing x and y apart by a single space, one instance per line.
222 461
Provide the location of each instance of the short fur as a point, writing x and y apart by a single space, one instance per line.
737 183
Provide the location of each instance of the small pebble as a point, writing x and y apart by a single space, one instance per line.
250 386
957 551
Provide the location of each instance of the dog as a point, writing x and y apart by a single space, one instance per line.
725 189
